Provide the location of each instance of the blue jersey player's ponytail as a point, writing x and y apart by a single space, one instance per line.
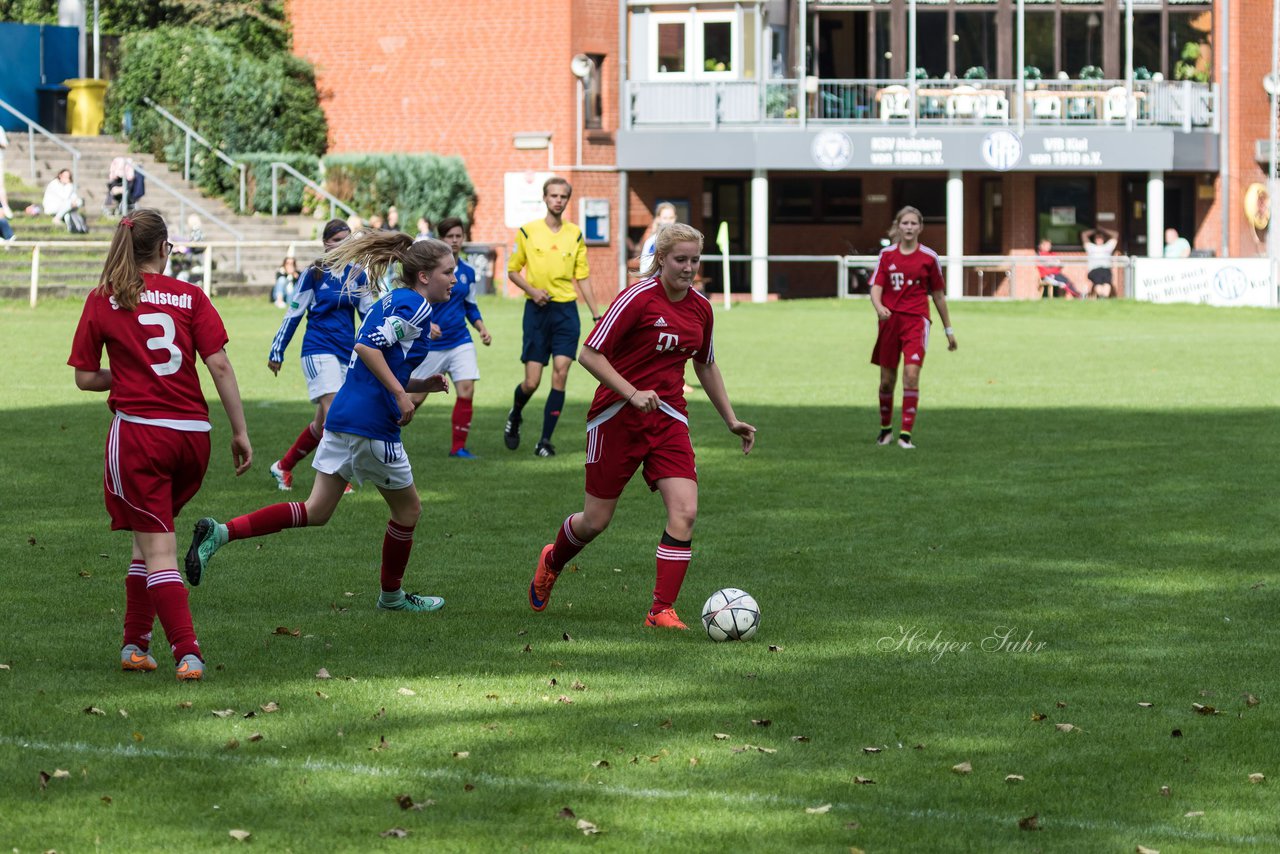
374 252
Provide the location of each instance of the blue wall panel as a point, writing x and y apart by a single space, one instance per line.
20 47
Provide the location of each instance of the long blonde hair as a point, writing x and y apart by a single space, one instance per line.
677 232
138 237
894 234
375 251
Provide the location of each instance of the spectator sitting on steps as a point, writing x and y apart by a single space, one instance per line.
123 179
60 198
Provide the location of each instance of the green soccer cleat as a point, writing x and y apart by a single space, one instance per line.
208 537
411 602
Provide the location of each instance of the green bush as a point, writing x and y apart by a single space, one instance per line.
240 101
292 193
417 184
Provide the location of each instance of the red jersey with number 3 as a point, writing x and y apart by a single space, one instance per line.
151 348
908 279
648 338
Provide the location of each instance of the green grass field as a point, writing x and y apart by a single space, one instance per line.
1094 482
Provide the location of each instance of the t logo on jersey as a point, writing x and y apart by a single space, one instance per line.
897 280
667 341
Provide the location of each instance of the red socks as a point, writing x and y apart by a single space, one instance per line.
461 424
268 520
910 401
566 547
673 562
886 411
139 613
169 596
396 545
303 445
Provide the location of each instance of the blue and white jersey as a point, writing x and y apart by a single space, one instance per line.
397 325
330 311
453 315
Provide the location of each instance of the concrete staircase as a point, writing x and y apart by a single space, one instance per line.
70 270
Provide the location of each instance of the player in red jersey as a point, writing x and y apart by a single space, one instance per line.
906 275
153 327
638 418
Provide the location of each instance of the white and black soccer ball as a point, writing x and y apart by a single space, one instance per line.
730 614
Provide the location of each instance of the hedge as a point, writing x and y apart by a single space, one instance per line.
417 184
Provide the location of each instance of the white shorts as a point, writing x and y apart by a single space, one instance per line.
358 459
458 362
324 374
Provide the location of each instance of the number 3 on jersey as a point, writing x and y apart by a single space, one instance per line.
163 341
897 280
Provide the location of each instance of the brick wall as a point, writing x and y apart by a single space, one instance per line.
1247 110
461 80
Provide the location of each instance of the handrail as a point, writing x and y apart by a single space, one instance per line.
334 201
32 127
192 133
184 202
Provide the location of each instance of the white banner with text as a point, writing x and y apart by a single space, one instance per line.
1211 281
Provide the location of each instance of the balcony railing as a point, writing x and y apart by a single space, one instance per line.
749 103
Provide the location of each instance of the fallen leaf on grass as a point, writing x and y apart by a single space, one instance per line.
567 637
666 724
1146 705
270 707
223 713
721 736
587 828
406 802
394 833
693 760
1204 710
870 750
468 787
863 781
818 810
1256 586
851 825
1177 733
285 630
239 835
381 713
1142 849
1165 792
962 768
1257 778
84 573
123 713
553 682
600 763
4 667
578 686
461 754
382 744
1066 727
762 722
1060 704
566 699
322 673
491 696
185 704
231 744
1014 778
1250 700
774 648
106 799
137 736
44 780
565 813
800 738
257 736
1193 814
1038 716
407 692
1031 822
94 710
749 747
322 695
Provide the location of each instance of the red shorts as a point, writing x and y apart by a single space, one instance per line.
902 335
617 447
151 473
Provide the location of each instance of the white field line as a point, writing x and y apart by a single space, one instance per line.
133 751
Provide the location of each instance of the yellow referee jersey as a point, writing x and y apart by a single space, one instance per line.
553 258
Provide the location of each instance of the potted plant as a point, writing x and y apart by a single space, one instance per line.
1141 73
921 74
977 72
1090 72
1031 74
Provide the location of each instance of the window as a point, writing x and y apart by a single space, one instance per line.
1064 208
1146 41
927 194
1039 50
593 95
975 41
931 42
829 199
1081 41
1190 50
699 45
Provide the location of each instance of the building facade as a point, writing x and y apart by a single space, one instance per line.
804 124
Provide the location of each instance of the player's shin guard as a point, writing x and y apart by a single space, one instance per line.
551 414
910 402
567 545
396 545
306 442
886 410
139 613
673 562
268 520
461 424
169 595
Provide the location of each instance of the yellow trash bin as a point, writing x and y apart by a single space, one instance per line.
85 105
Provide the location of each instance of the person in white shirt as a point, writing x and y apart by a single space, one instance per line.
60 197
1099 246
663 215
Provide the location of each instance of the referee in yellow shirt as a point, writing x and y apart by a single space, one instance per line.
553 257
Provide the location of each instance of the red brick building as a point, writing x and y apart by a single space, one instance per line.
797 123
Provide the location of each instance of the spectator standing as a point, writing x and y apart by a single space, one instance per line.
1099 246
424 228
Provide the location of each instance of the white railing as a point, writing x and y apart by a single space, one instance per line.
192 135
184 202
334 201
719 103
33 128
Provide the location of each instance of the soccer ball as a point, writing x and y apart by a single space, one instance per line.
730 614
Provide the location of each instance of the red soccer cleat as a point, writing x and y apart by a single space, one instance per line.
665 619
543 580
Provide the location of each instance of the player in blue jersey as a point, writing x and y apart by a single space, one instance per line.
330 310
361 438
450 349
